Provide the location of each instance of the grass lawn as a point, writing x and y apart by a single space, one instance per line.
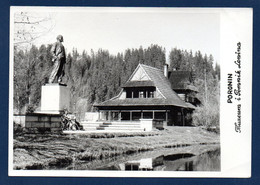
40 151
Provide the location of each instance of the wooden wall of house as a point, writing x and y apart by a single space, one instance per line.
180 117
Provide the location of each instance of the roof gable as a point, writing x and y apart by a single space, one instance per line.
139 74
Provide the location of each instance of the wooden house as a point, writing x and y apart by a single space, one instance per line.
150 94
182 82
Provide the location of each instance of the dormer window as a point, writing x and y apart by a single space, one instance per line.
151 94
141 94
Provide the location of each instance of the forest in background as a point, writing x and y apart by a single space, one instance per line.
98 76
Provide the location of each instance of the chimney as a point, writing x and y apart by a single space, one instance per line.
165 71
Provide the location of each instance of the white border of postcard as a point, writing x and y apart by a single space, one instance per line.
235 39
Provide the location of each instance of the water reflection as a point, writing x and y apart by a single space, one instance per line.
208 161
142 165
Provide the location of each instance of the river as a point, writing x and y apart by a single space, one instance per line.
189 158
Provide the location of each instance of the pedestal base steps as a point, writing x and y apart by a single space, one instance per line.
41 122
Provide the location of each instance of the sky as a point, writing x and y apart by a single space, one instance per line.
116 29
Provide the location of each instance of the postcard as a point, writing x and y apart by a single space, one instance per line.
130 92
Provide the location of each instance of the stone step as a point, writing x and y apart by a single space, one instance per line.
112 126
87 122
90 125
119 128
123 124
89 128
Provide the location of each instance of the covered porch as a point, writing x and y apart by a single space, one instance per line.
169 115
133 115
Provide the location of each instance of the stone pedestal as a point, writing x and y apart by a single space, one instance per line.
54 98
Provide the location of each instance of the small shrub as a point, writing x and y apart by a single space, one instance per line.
30 108
18 129
207 116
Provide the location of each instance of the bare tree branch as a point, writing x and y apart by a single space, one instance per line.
29 26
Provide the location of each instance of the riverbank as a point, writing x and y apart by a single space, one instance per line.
43 151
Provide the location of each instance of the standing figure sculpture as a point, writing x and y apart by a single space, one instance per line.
59 59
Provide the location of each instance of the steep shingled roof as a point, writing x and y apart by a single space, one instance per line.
181 80
162 84
136 102
146 83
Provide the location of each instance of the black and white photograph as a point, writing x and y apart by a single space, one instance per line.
99 91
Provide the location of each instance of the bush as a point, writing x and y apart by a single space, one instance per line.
30 108
18 129
207 116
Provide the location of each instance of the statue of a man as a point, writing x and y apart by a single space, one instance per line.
59 59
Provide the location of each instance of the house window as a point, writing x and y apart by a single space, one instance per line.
189 99
128 94
179 117
125 115
151 94
160 115
135 94
115 115
147 115
136 116
141 94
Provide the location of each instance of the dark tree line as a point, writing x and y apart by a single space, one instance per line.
187 61
97 76
31 70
